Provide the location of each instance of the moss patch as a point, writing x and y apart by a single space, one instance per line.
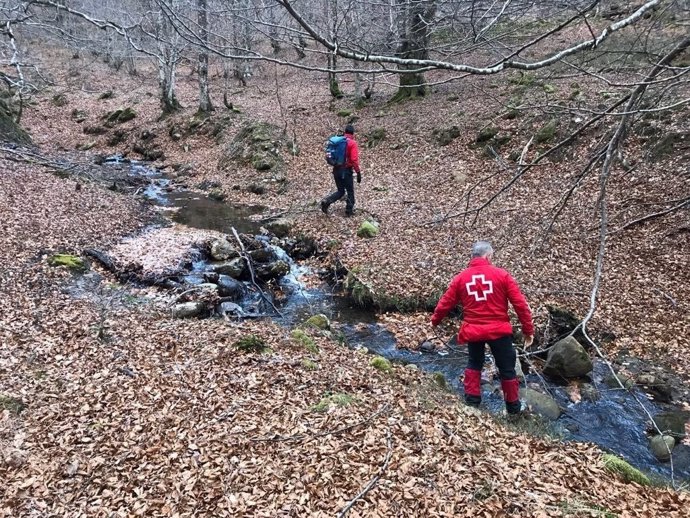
305 340
251 344
344 113
546 132
487 134
339 399
375 137
12 404
381 364
624 470
72 262
440 381
368 230
310 365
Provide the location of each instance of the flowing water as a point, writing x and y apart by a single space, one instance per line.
616 422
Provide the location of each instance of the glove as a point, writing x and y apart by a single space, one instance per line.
359 177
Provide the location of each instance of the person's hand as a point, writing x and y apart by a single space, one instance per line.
359 177
529 340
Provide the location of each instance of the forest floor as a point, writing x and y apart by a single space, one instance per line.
129 412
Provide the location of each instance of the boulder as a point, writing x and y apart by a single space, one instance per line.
368 230
230 308
263 255
222 250
662 446
280 227
188 309
229 287
568 359
427 347
234 268
257 144
302 247
319 321
540 403
270 271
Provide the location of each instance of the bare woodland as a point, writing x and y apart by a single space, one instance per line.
558 130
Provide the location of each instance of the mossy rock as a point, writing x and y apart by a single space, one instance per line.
375 137
624 470
368 230
9 129
511 114
59 100
85 146
106 95
546 133
256 144
669 144
344 113
94 130
256 188
445 136
486 134
440 381
381 364
14 405
78 116
217 194
360 293
120 115
549 89
319 321
523 79
72 262
251 344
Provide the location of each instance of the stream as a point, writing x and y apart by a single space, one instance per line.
615 422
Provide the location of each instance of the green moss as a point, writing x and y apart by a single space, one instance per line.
361 293
368 230
380 363
12 404
546 132
310 365
523 79
217 194
624 470
106 95
251 344
305 341
339 399
549 89
72 262
344 113
440 381
319 321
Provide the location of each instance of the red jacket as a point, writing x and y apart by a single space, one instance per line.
484 291
352 153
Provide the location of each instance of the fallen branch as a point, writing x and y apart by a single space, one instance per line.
373 481
648 217
250 266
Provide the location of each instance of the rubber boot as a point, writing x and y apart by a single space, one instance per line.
511 394
473 390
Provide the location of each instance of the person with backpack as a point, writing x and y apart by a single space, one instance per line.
342 153
484 292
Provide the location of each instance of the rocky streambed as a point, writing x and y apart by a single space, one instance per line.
242 266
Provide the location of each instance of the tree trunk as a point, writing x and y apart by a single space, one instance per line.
414 29
205 105
166 72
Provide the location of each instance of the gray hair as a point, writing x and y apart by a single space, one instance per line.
482 249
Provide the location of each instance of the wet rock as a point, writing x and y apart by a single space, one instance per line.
234 268
229 287
562 322
540 403
662 446
672 422
274 270
319 321
427 347
280 227
263 255
230 308
589 392
188 309
568 359
217 194
222 250
211 277
627 381
302 247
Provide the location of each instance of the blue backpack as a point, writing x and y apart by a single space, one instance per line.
336 148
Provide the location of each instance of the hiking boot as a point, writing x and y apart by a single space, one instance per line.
324 207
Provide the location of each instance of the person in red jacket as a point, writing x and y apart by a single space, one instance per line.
484 291
343 175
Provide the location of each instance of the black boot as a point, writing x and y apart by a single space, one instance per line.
324 206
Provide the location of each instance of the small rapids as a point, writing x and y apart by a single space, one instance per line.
616 422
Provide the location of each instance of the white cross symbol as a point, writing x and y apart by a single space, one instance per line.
479 290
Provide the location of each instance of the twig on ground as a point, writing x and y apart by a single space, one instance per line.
373 481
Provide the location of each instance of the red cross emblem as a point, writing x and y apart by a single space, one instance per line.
479 288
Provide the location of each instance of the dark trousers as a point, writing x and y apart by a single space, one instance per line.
504 354
344 182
